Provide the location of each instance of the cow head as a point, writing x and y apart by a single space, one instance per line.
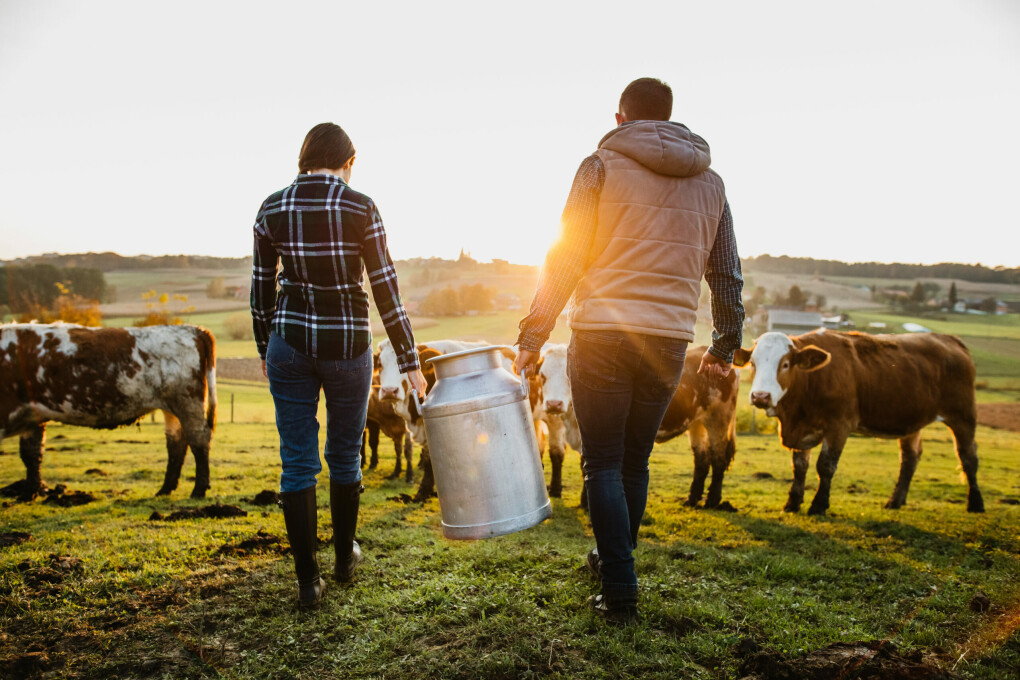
552 372
392 384
776 361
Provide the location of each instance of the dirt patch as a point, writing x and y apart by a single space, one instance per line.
240 369
23 666
1009 501
1001 416
872 660
217 511
980 603
762 475
45 577
97 472
725 506
402 498
264 497
10 538
59 495
261 542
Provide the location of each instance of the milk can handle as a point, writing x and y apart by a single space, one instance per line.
525 386
414 395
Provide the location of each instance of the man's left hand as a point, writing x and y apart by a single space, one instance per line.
714 366
525 359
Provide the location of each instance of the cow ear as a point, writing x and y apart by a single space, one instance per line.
376 361
538 365
810 358
427 369
741 356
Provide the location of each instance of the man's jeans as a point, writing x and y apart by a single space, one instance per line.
621 384
295 381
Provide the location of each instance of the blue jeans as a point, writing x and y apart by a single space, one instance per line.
294 381
621 384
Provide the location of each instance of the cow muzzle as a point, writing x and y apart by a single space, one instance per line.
761 400
389 393
554 406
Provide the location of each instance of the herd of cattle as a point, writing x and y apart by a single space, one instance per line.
822 387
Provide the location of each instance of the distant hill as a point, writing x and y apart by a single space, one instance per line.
881 270
115 262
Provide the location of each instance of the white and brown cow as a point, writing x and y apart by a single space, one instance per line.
106 378
383 418
394 388
825 385
703 407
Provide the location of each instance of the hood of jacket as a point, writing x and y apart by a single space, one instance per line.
664 147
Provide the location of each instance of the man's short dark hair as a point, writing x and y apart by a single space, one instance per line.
647 99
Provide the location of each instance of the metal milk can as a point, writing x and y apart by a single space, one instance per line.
484 451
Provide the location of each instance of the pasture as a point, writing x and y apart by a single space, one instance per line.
101 591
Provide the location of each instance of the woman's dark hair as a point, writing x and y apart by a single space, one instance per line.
326 146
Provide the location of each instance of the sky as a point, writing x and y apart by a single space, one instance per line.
857 131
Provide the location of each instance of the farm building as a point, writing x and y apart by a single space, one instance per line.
792 321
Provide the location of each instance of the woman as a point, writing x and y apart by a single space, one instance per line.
314 333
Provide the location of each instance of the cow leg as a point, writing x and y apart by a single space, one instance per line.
966 451
828 459
408 455
698 436
722 456
556 457
398 445
176 449
910 454
373 444
201 454
801 460
30 448
428 483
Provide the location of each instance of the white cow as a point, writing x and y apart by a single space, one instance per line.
557 410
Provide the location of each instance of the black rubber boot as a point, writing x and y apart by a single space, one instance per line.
344 500
301 519
616 606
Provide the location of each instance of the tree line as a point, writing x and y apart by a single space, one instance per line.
24 289
109 261
881 270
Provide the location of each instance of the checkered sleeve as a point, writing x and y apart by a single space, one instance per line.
726 282
264 264
382 277
567 260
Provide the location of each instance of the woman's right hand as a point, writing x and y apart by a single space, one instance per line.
418 382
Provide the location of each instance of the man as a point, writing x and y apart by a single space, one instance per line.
645 220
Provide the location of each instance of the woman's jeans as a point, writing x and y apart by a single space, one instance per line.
621 385
295 381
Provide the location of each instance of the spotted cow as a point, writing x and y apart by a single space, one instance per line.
105 378
825 385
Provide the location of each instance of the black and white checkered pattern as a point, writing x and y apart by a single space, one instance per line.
568 259
312 242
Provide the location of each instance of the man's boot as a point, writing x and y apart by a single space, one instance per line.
301 519
616 606
344 500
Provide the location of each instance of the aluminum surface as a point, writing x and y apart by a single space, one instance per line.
484 452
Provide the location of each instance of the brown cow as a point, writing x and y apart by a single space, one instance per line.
382 417
105 378
706 409
825 385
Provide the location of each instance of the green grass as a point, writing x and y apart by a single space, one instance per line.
157 599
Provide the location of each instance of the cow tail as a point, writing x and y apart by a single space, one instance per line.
207 359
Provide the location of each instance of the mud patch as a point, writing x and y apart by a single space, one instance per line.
97 472
1010 501
762 475
10 538
217 511
847 660
402 498
59 495
980 603
47 576
264 497
725 506
261 542
23 666
21 490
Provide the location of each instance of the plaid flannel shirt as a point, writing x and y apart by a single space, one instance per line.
314 239
566 261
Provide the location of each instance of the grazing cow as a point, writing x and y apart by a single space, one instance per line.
394 389
825 385
105 378
703 407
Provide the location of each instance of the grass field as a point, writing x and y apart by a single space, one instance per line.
159 599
